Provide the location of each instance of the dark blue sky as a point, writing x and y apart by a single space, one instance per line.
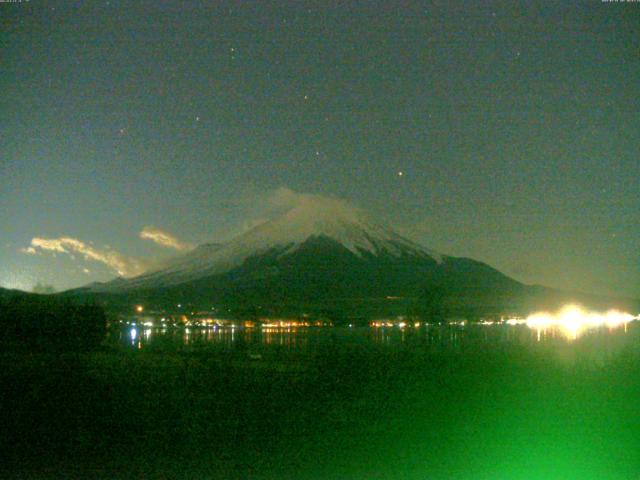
516 127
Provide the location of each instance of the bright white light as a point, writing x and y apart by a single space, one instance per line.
573 320
515 321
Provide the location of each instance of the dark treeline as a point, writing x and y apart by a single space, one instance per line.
48 324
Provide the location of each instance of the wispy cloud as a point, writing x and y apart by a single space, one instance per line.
260 207
29 251
121 264
284 198
164 239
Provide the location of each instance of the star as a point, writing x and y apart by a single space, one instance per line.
400 173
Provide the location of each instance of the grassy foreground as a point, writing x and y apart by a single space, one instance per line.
357 412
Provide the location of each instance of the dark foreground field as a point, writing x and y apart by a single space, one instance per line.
358 412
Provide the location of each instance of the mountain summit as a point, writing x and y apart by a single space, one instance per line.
312 219
320 255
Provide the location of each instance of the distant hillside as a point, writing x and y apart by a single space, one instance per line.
6 293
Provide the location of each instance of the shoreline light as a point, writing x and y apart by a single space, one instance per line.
573 320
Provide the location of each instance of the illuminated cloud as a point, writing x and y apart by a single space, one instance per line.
164 239
122 265
284 199
269 204
252 223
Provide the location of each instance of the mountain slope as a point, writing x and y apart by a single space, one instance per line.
322 269
349 227
324 255
321 255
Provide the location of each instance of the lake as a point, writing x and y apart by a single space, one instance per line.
437 402
599 343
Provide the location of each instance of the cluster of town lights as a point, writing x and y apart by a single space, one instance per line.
572 320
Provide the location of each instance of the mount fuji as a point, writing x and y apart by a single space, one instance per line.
314 221
321 254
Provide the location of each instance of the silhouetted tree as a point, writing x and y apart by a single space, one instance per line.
47 324
433 302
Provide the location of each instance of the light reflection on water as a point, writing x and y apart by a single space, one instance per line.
601 341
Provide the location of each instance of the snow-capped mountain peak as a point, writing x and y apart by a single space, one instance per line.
331 218
312 217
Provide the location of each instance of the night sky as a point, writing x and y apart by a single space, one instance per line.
508 132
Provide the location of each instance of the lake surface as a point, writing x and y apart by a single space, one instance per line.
599 343
437 402
474 402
